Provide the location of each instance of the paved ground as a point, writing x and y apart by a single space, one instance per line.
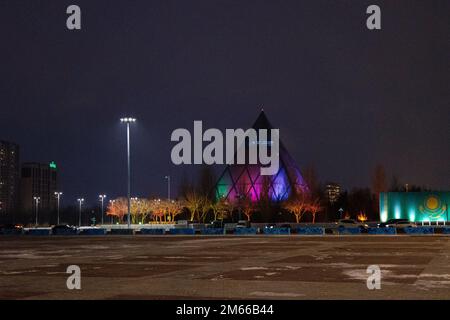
225 267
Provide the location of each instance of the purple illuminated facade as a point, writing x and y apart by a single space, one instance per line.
245 181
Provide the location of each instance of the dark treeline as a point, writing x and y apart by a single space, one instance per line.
350 203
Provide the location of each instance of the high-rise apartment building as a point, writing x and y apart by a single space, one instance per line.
38 180
9 178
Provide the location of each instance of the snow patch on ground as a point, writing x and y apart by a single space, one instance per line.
276 294
253 268
361 274
48 265
96 247
17 272
117 257
22 256
431 284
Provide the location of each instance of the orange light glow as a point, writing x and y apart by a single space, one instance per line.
362 217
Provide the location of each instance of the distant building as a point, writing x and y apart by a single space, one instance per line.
332 192
38 180
9 177
425 207
241 181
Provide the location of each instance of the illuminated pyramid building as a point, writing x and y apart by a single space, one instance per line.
245 180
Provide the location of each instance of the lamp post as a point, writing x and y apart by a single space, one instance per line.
128 121
102 199
36 207
111 202
80 202
168 187
136 202
58 197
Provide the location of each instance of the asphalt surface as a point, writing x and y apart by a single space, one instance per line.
225 267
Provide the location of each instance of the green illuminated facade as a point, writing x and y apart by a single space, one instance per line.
415 206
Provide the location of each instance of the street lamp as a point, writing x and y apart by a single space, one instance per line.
111 203
58 196
168 187
80 202
36 207
102 199
128 121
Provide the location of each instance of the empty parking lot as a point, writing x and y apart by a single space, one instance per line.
225 267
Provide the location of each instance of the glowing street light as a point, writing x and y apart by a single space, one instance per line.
111 203
80 202
128 121
36 206
58 197
102 199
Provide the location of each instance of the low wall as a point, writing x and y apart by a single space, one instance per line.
279 231
310 231
245 231
152 231
382 231
212 231
419 230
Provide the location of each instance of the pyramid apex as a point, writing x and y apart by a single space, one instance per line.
262 122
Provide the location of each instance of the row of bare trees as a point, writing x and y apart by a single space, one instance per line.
200 204
142 209
199 207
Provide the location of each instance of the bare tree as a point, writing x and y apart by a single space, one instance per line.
204 208
117 208
379 183
193 203
145 210
314 208
297 205
248 207
221 209
174 208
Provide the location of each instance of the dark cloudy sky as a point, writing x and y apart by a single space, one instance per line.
344 98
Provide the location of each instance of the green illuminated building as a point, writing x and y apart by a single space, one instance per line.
415 206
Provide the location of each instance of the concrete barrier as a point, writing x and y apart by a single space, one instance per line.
277 231
310 231
64 232
217 231
122 231
419 230
93 232
11 232
382 230
349 231
39 232
244 231
183 231
152 231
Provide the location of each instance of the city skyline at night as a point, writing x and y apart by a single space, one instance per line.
343 102
214 158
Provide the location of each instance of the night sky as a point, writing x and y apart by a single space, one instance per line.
345 98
